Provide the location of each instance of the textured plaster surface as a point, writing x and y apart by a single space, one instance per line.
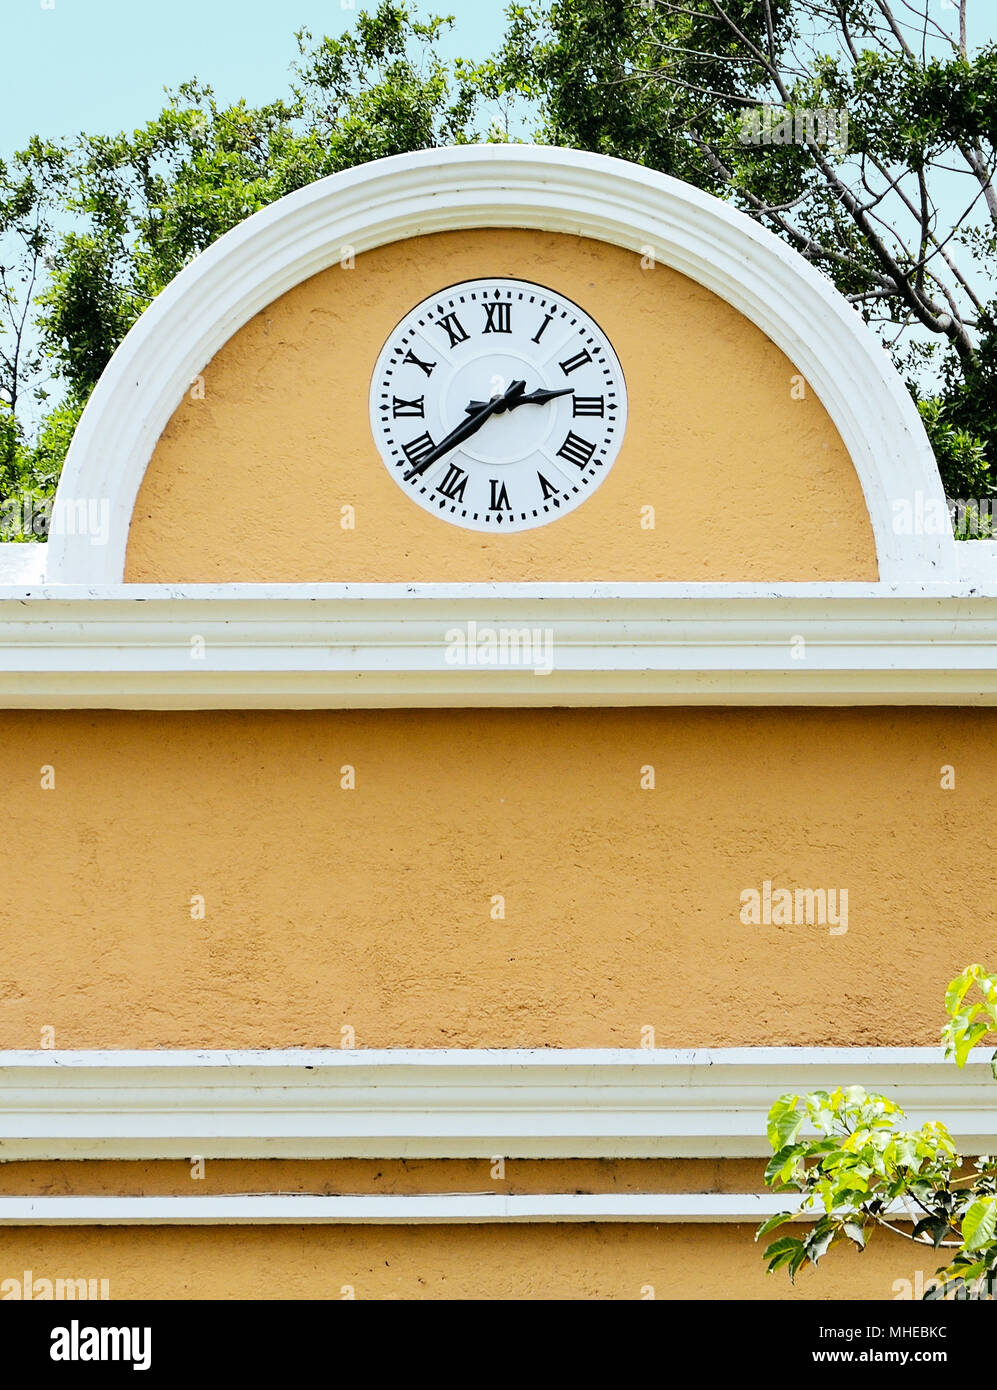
379 908
746 481
391 1177
586 1261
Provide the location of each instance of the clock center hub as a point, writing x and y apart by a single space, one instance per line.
509 435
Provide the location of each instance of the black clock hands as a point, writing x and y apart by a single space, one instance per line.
467 427
480 411
534 398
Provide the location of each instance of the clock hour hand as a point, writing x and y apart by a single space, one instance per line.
469 426
534 398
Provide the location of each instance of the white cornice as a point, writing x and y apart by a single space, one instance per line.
451 1208
380 646
23 565
977 561
529 186
453 1103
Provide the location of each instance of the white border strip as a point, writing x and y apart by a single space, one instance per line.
456 1103
373 646
445 1208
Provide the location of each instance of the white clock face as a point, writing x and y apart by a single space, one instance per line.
498 405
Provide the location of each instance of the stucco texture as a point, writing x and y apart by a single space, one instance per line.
747 481
582 1261
376 908
393 1177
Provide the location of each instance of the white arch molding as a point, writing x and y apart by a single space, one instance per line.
540 187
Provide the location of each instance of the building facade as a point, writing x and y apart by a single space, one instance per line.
499 704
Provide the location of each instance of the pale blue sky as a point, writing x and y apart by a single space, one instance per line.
101 65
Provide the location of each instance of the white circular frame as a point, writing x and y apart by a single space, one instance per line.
616 414
531 186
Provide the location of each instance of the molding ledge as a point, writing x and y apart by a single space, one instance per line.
449 1208
383 646
23 564
455 1103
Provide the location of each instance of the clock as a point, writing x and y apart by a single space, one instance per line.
498 405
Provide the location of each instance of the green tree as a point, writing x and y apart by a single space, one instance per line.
32 186
92 229
717 92
858 1170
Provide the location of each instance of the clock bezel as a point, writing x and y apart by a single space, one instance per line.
441 304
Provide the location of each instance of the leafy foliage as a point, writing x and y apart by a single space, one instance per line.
846 1153
687 86
152 200
91 230
969 1023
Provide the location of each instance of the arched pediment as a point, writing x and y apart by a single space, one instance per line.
560 193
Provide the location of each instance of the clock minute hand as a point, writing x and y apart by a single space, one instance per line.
534 398
468 427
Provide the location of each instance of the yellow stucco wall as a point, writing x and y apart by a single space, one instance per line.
372 907
747 481
611 1261
614 1261
395 1177
376 907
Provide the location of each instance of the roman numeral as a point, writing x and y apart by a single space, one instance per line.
576 450
498 318
453 484
573 363
414 361
542 329
416 407
588 405
417 449
455 330
548 490
500 500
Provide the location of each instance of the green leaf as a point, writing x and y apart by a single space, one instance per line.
959 987
970 1272
979 1223
819 1241
968 1040
784 1122
781 1252
781 1246
942 1289
772 1222
782 1161
851 1182
854 1232
934 1226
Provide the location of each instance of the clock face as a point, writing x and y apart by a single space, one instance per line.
498 405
